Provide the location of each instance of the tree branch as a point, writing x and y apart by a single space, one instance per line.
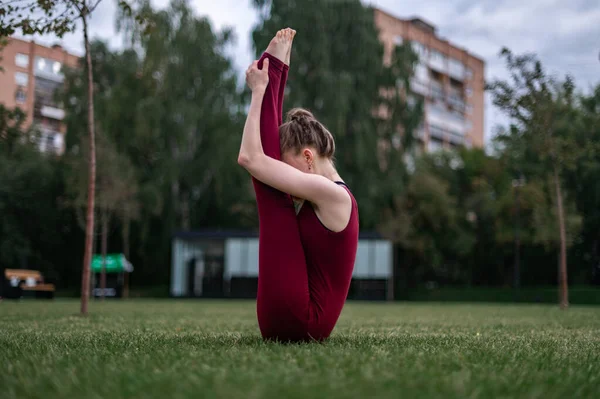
93 7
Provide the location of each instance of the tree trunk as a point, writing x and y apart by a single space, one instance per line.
126 227
89 231
185 212
104 251
562 268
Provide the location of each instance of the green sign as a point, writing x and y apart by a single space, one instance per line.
115 263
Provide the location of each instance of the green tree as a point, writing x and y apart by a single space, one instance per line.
543 112
194 115
117 196
170 105
584 186
429 223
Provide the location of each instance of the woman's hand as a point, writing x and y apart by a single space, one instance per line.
258 79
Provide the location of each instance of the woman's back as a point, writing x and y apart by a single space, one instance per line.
330 258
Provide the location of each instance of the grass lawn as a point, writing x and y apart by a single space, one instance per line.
193 349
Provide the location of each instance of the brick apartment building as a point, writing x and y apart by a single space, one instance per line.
448 78
32 74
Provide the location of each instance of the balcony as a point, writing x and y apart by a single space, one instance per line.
419 87
437 92
52 112
48 69
437 61
456 70
437 132
442 134
50 141
457 103
456 138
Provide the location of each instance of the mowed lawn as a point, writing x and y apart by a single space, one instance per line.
212 349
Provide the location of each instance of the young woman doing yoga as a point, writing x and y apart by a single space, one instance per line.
306 253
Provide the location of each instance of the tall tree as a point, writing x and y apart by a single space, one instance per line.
429 223
193 114
170 104
584 186
543 113
117 195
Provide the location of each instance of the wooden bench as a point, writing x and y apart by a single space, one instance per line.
19 282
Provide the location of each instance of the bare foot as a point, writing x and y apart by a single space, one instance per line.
279 45
291 34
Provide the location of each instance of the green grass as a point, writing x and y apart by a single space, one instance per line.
194 349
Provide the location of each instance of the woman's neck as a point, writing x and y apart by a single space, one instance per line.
326 169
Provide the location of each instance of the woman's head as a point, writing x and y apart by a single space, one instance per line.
305 142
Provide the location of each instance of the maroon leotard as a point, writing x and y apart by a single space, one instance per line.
304 269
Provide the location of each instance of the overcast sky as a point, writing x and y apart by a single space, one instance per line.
564 33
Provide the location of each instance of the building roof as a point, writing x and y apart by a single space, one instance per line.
54 46
428 26
421 23
222 234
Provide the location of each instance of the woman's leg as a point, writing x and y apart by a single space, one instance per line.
283 296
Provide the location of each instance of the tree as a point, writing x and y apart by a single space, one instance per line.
59 17
429 222
543 113
584 186
337 71
117 195
170 105
193 115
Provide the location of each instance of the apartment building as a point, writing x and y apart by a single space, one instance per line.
32 74
448 78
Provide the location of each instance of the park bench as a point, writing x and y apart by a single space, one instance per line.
19 283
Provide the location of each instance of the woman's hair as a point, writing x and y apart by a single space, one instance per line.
301 129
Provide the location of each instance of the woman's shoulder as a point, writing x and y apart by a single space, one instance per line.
348 190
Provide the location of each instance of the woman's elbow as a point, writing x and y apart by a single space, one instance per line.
245 161
252 163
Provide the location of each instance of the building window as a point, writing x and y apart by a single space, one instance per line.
436 56
21 78
457 116
48 69
457 68
48 141
398 40
469 73
41 64
419 49
454 63
469 92
20 96
436 131
437 91
22 60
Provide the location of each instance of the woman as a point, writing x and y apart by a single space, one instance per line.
306 258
